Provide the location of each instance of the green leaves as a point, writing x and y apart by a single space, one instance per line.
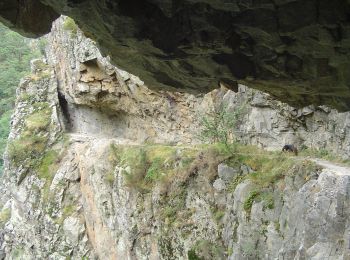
218 125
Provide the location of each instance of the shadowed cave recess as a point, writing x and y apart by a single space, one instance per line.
296 50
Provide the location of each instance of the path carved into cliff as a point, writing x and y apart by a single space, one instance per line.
335 168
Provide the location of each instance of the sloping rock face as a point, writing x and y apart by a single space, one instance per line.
70 190
30 17
297 50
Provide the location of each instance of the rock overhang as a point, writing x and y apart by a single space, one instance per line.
297 50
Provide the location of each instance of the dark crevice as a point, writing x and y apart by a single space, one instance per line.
65 111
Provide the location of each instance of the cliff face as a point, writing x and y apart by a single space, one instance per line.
99 166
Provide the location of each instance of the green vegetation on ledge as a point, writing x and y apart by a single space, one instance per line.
171 168
26 149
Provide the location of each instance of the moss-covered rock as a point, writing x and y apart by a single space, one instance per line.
296 50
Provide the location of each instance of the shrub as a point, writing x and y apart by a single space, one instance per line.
218 125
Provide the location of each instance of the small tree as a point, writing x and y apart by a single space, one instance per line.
218 125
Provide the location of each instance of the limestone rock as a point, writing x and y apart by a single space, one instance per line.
73 229
219 185
226 173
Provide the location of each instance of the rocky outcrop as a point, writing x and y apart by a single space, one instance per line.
102 100
296 50
98 166
270 124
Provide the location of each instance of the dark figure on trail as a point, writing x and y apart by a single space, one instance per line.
290 148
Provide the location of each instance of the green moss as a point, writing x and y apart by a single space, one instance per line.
277 226
70 26
46 169
68 210
268 199
24 97
175 205
17 253
257 196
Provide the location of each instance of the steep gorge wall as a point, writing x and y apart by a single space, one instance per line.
70 194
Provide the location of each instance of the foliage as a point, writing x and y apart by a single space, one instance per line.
38 121
15 55
268 167
204 249
191 254
150 164
67 211
248 203
32 142
48 164
218 125
70 25
27 146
